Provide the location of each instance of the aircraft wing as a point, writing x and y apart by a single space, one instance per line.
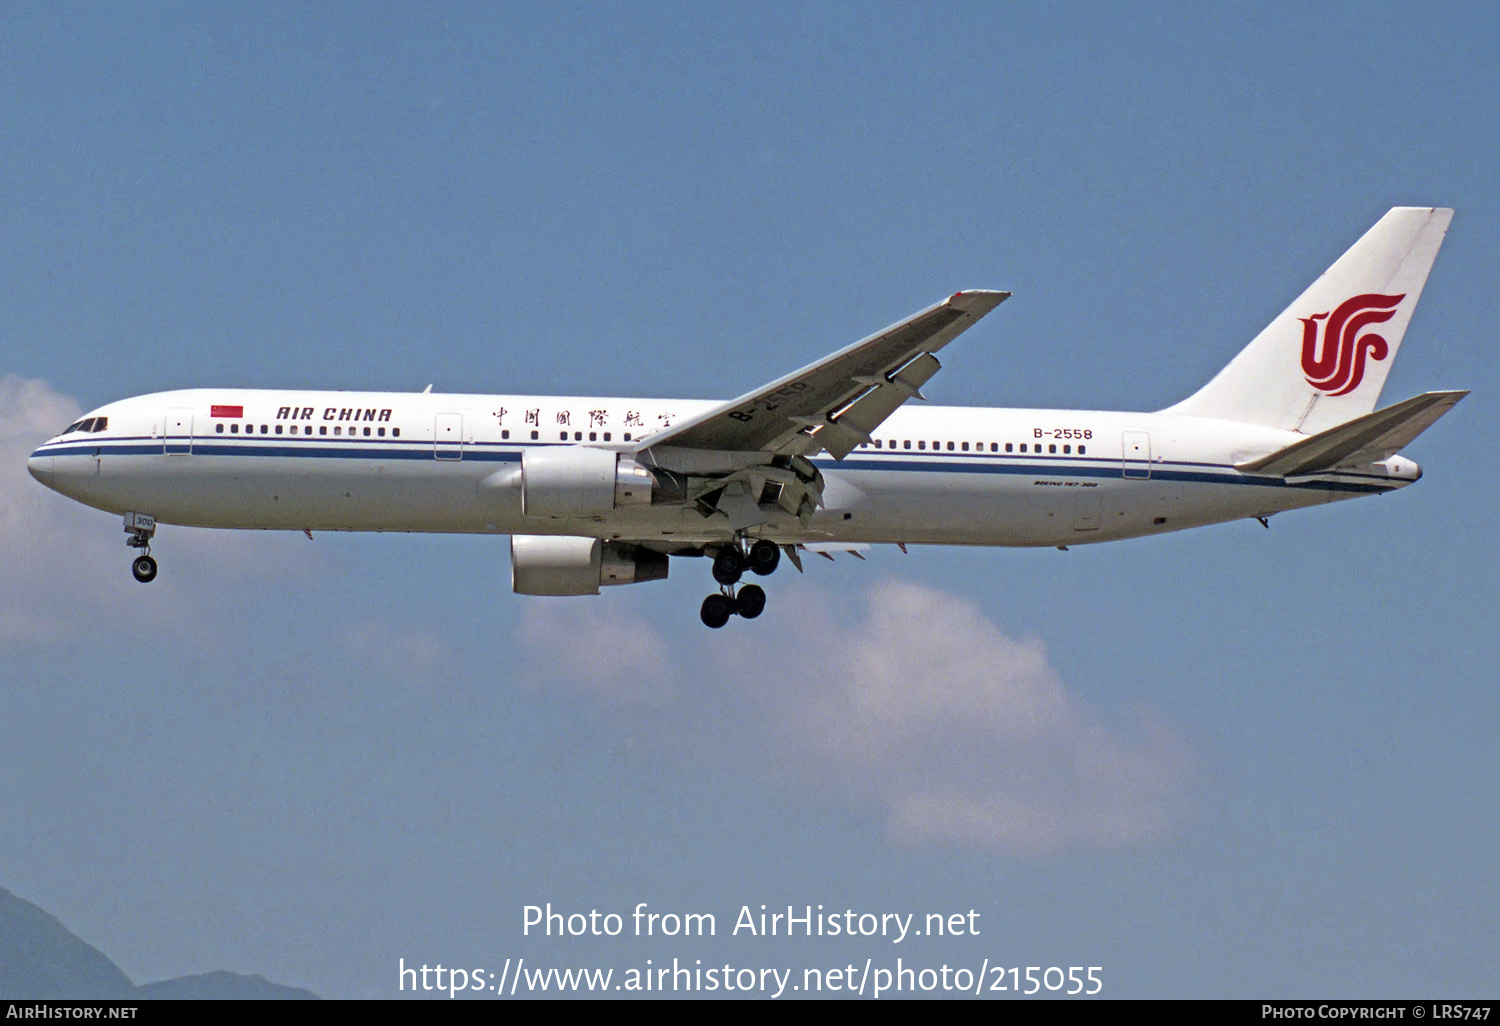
1368 439
835 403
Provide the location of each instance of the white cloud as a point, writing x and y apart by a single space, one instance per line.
920 707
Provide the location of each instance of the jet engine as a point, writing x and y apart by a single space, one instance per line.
549 564
581 482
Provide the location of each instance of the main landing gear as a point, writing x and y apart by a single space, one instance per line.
141 527
730 564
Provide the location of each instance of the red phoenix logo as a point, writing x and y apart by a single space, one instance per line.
1337 365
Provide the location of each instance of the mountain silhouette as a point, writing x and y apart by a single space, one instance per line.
42 959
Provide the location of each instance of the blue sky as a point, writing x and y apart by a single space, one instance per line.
1233 762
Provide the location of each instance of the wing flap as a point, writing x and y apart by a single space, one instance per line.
1369 439
854 423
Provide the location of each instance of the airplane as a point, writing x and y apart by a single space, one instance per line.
830 458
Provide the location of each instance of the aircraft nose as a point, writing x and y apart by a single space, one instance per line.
41 468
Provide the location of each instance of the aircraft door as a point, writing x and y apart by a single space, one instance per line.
177 439
448 436
1137 461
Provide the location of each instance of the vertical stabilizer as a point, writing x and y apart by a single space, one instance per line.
1325 359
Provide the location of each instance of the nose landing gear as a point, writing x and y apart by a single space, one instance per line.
141 528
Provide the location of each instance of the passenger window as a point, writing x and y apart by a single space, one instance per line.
627 436
1051 448
278 429
1081 450
950 447
606 436
234 429
921 444
965 447
503 434
1067 449
593 436
533 436
396 432
994 447
906 444
219 428
381 432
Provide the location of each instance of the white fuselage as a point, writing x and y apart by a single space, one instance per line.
368 461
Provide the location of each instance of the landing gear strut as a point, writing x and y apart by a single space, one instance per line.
747 600
141 527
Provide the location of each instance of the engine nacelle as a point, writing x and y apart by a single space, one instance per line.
577 481
549 564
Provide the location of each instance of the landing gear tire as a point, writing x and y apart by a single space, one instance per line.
716 610
729 566
765 556
144 569
750 602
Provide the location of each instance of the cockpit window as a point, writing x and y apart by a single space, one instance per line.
76 425
100 423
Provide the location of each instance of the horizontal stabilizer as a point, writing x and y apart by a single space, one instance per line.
1369 439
